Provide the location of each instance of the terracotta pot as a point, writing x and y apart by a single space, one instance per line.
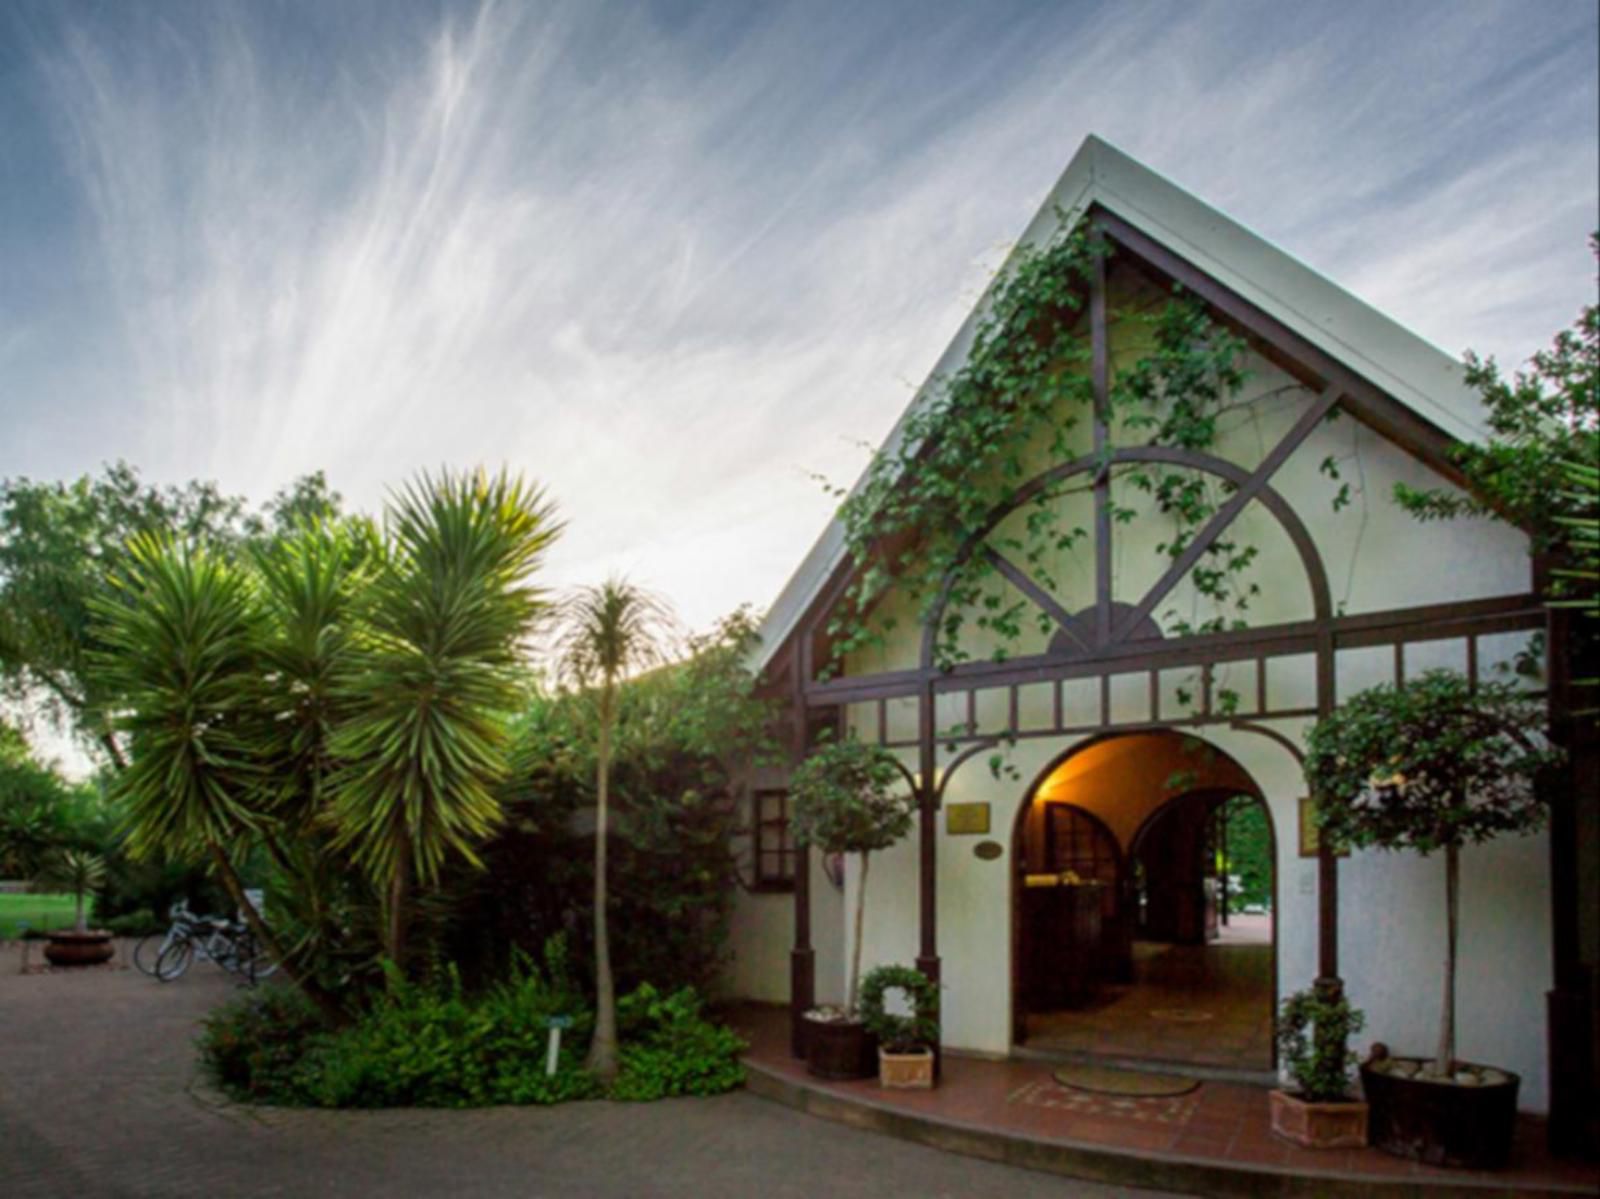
79 949
1442 1123
906 1071
841 1049
1319 1125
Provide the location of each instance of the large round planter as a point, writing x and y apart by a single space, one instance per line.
1442 1123
841 1050
79 949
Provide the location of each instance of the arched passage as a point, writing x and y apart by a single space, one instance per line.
1122 941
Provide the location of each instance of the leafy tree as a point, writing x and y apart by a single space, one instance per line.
60 544
432 673
843 801
605 633
1438 764
1539 421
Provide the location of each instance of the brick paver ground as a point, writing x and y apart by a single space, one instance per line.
99 1097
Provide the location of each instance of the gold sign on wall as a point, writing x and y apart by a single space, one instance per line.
966 819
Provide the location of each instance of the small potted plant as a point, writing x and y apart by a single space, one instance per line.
844 799
1314 1031
1440 763
905 1043
82 874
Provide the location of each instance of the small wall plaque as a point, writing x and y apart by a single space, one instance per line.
1309 841
988 850
966 818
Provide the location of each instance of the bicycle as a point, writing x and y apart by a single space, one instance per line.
231 944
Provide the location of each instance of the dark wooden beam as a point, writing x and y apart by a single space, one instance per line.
1426 622
1100 356
1366 401
1229 512
1015 575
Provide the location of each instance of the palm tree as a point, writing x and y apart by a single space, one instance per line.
181 642
432 672
605 633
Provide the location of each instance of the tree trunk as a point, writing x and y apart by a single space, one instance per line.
80 925
399 897
109 743
325 1003
602 1061
1444 1061
855 953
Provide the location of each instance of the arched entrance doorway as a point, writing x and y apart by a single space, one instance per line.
1144 906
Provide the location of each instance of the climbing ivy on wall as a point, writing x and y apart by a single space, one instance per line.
981 432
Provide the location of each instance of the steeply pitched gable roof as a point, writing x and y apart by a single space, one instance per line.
1422 378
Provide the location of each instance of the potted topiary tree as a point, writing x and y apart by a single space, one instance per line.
1435 765
82 874
844 799
905 1043
1314 1030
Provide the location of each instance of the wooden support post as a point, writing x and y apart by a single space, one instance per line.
1100 356
1327 862
928 848
802 959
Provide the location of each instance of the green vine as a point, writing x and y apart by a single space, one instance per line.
980 432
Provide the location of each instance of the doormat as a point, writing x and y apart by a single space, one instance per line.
1136 1084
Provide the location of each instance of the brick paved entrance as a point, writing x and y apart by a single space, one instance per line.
99 1098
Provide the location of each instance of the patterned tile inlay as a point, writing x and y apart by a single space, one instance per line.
1171 1111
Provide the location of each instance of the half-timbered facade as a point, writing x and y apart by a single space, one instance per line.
1351 592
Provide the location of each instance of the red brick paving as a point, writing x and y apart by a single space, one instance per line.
1220 1123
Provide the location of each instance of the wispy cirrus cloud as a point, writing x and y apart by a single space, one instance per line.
669 260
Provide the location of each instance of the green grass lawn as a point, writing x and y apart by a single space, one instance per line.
41 912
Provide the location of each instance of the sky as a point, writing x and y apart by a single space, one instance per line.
676 261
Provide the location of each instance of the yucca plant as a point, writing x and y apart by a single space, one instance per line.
431 672
310 583
604 634
182 639
80 874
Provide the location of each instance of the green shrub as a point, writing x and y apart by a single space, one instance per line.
901 1034
432 1045
670 1048
1314 1031
252 1047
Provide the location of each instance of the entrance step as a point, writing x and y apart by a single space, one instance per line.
1064 1057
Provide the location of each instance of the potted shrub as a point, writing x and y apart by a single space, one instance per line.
1435 765
844 799
1314 1030
82 874
905 1043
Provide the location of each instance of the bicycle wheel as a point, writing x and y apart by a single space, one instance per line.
148 951
174 960
255 963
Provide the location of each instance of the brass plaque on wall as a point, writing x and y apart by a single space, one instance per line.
988 850
964 818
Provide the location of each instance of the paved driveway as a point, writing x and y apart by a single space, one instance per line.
99 1096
